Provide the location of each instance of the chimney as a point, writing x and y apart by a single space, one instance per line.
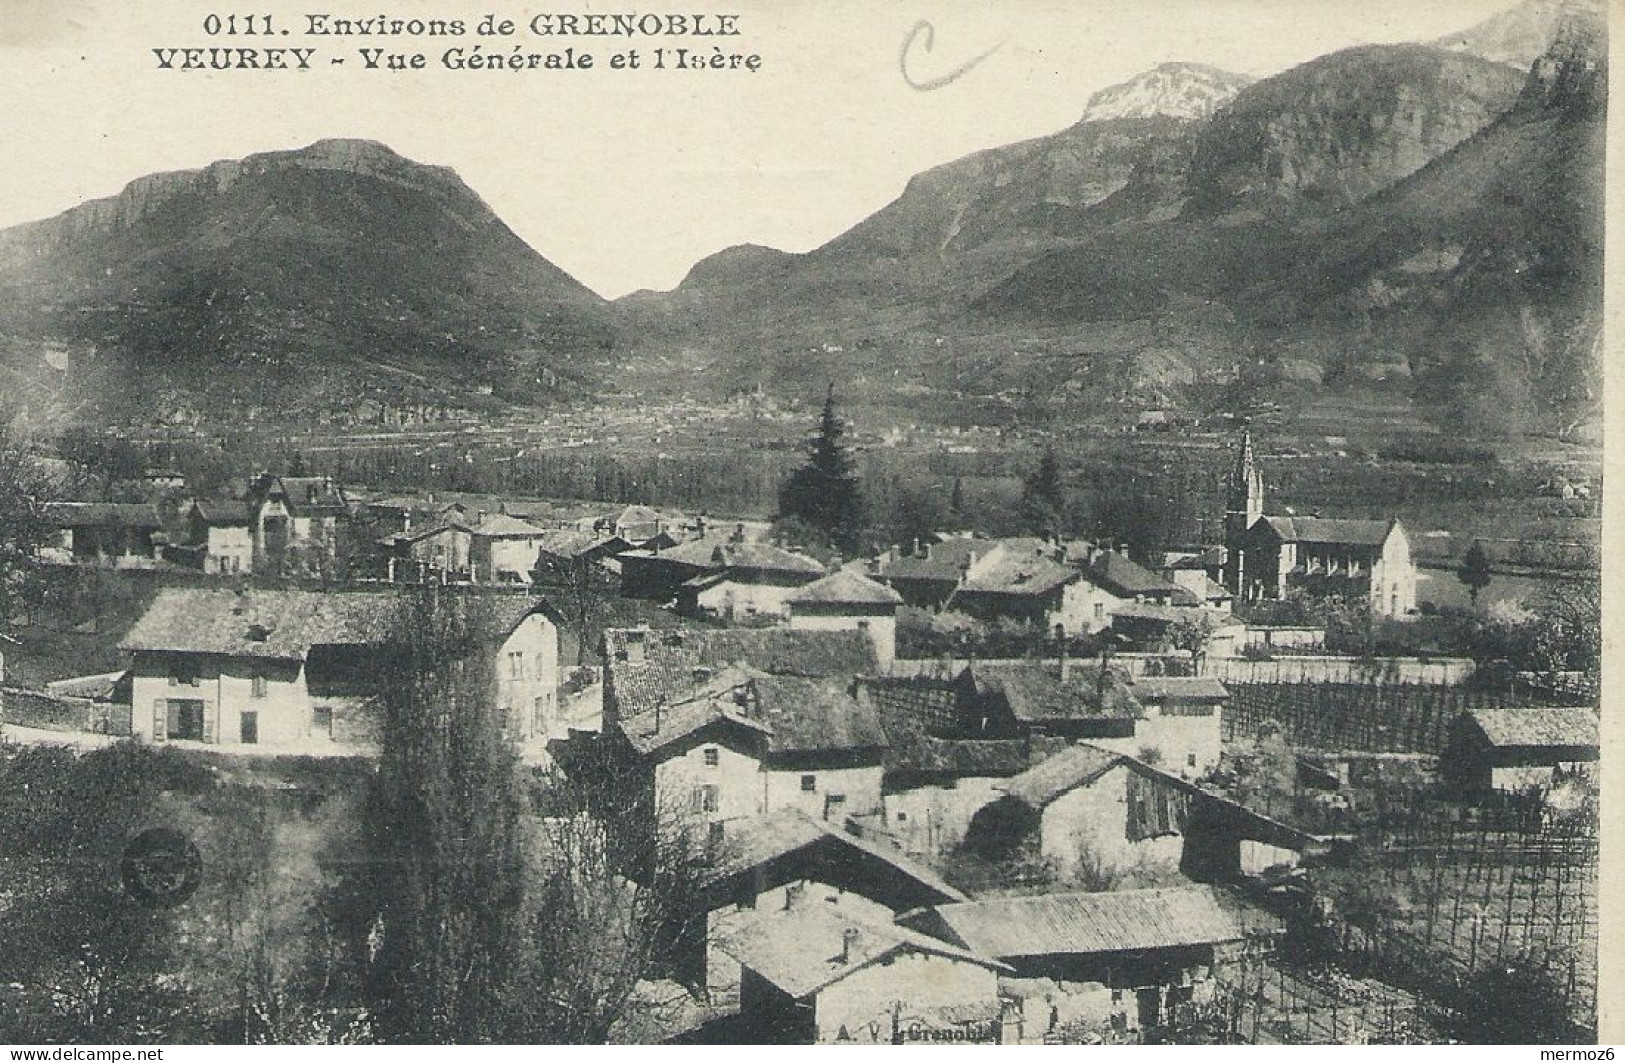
964 572
479 517
849 938
739 534
1064 666
406 521
699 526
925 551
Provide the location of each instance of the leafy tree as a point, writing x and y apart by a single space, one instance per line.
1475 571
1043 496
825 491
24 528
446 865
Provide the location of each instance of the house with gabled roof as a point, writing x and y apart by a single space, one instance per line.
294 514
298 671
774 861
743 742
746 581
1127 958
813 974
848 601
1089 807
221 531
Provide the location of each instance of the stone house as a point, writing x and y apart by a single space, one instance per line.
813 974
223 534
745 742
772 862
297 671
847 601
502 548
295 515
747 581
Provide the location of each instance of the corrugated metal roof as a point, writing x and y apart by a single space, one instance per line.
1090 923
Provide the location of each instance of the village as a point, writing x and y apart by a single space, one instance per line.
1020 789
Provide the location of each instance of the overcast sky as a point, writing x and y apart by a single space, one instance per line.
626 178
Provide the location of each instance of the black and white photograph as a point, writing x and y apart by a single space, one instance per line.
819 522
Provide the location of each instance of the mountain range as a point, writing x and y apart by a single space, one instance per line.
1414 224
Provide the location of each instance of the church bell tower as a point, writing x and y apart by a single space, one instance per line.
1244 505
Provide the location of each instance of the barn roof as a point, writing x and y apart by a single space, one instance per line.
1090 923
1574 726
1124 578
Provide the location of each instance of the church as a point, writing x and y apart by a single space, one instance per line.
1272 556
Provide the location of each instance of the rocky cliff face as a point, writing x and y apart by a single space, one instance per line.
1341 127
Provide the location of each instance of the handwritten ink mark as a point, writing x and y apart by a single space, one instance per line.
923 28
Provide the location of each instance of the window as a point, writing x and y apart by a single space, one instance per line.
809 783
516 665
714 836
257 686
712 757
248 727
321 721
703 799
1190 760
1100 610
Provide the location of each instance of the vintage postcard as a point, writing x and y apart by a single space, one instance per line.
802 523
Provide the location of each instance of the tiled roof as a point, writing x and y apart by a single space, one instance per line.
1331 531
748 844
721 699
1070 924
1067 770
910 709
1538 726
305 494
947 558
102 514
815 715
504 526
1035 692
1178 688
224 513
697 552
844 588
776 651
805 948
286 624
1014 574
1113 572
765 557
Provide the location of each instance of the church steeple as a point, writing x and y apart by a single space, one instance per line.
1244 505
